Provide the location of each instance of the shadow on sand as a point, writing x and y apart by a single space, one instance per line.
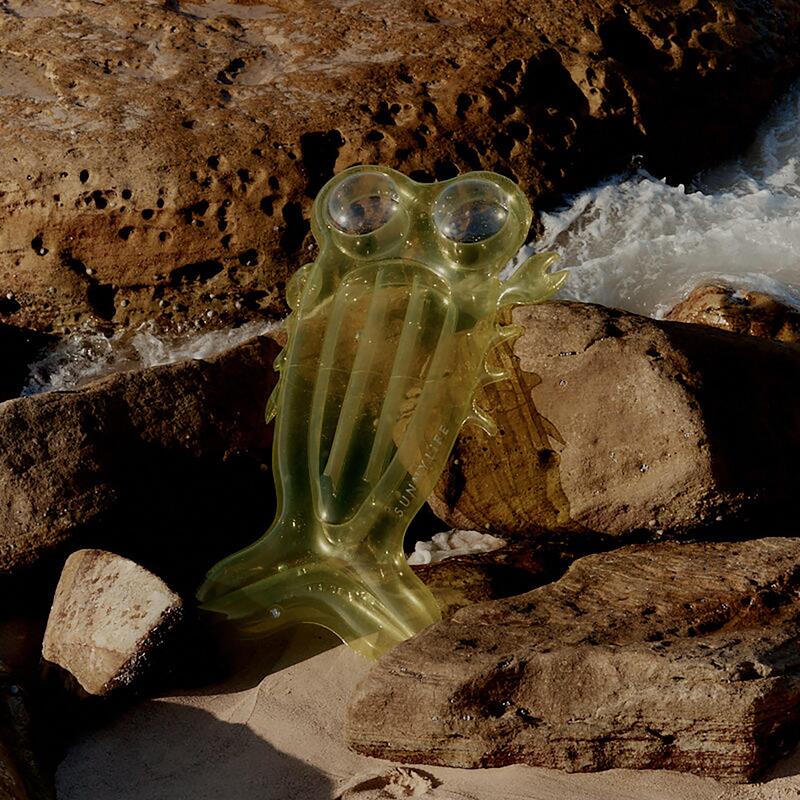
167 751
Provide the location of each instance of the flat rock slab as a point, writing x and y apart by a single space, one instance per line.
161 155
108 617
658 656
615 425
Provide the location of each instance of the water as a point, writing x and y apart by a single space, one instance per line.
86 356
636 243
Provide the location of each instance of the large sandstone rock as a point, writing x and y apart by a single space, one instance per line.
743 311
615 425
160 156
109 617
659 656
167 465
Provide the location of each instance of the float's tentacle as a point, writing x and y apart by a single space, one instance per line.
531 283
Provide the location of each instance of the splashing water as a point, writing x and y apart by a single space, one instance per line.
86 356
636 243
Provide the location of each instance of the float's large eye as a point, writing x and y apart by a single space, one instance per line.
363 202
470 211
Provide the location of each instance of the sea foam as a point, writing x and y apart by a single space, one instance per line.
634 242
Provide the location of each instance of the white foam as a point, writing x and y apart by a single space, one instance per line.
453 543
82 357
636 243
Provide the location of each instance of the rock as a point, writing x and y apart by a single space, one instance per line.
741 311
658 656
22 776
161 157
168 465
617 425
463 580
19 347
109 616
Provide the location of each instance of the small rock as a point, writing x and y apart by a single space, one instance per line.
109 615
741 311
657 656
394 783
614 424
448 544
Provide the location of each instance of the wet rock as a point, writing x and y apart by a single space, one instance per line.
659 656
109 616
739 310
195 197
617 425
169 466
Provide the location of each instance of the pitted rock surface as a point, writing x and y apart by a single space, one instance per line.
658 656
160 157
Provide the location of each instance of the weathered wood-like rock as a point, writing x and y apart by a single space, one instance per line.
109 616
167 465
660 656
618 424
161 157
739 310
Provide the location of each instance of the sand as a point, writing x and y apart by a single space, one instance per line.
276 733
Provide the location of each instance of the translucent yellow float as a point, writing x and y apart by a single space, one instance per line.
388 334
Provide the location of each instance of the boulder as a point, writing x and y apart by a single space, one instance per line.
109 617
615 425
167 465
672 655
742 311
161 156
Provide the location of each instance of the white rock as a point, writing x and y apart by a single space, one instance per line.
108 615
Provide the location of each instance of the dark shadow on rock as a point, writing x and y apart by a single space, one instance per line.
167 751
787 767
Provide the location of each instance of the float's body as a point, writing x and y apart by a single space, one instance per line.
386 346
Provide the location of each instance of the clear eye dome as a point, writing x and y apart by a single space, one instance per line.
363 202
470 211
